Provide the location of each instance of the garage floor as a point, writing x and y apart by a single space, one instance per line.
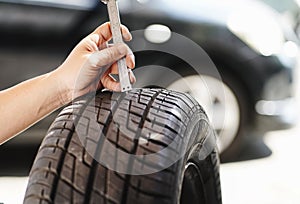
271 180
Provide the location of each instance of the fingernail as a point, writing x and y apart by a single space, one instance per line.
132 77
126 33
127 36
132 57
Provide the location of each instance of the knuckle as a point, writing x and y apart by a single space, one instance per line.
123 49
105 57
110 54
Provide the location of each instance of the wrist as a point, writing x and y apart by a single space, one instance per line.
64 94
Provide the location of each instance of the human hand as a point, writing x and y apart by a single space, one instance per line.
89 65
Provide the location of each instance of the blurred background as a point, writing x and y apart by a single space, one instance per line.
254 44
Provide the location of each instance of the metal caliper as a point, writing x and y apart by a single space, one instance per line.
115 25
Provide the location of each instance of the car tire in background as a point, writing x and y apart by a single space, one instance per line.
226 108
142 122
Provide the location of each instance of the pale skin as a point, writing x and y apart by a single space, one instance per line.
86 69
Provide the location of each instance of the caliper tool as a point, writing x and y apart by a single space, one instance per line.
115 25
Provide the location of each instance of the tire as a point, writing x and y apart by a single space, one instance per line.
65 172
243 135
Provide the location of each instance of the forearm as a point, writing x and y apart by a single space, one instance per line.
23 105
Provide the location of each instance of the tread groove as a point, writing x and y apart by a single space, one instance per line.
140 126
61 160
91 179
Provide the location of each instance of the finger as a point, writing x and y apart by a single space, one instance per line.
103 46
130 60
130 63
104 31
114 68
110 55
110 84
132 76
126 33
89 43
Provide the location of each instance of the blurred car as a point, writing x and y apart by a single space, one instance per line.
254 54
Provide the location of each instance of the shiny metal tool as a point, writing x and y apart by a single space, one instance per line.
115 25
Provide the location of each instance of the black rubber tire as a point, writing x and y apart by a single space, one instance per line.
243 136
64 172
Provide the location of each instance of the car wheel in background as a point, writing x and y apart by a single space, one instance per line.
225 107
221 105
